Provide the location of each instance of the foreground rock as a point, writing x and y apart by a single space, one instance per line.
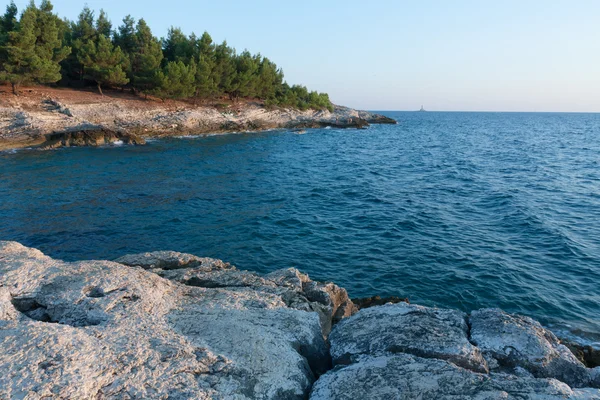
170 325
404 376
53 117
99 329
513 341
406 328
403 351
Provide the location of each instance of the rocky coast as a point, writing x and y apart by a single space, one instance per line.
170 325
49 118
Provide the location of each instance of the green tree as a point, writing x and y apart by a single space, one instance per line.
103 24
269 80
8 23
79 34
177 46
205 83
125 36
225 68
207 78
243 83
145 59
49 44
104 63
21 60
35 49
176 80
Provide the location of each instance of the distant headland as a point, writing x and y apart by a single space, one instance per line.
144 86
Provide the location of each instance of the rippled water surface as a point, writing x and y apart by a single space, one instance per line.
463 210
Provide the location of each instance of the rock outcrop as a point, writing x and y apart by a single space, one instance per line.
407 377
403 351
513 341
406 328
100 329
75 118
172 325
89 136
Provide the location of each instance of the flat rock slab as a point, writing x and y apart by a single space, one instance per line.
404 376
406 328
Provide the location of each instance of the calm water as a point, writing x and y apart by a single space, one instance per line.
463 210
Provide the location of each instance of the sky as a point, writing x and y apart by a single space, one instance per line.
460 55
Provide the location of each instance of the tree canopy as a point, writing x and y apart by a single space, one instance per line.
33 49
39 47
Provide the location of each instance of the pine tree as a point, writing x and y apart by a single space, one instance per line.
49 44
21 59
35 49
244 80
145 59
269 80
103 24
8 23
206 79
205 45
125 35
225 68
104 62
176 80
80 33
177 47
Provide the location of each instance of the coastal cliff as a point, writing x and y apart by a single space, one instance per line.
48 118
172 325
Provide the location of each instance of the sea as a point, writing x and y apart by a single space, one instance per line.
450 209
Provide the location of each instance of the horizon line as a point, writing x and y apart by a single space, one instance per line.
486 111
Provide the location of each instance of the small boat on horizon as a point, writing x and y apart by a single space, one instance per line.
422 109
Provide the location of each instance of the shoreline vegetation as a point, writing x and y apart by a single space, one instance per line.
85 83
39 47
167 324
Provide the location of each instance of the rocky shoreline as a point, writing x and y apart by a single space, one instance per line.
177 326
49 119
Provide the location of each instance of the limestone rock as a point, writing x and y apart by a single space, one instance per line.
74 118
7 310
407 377
178 326
510 341
288 286
171 260
89 136
406 328
99 329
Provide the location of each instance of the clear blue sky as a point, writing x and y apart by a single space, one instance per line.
396 55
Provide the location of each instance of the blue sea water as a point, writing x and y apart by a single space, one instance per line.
463 210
